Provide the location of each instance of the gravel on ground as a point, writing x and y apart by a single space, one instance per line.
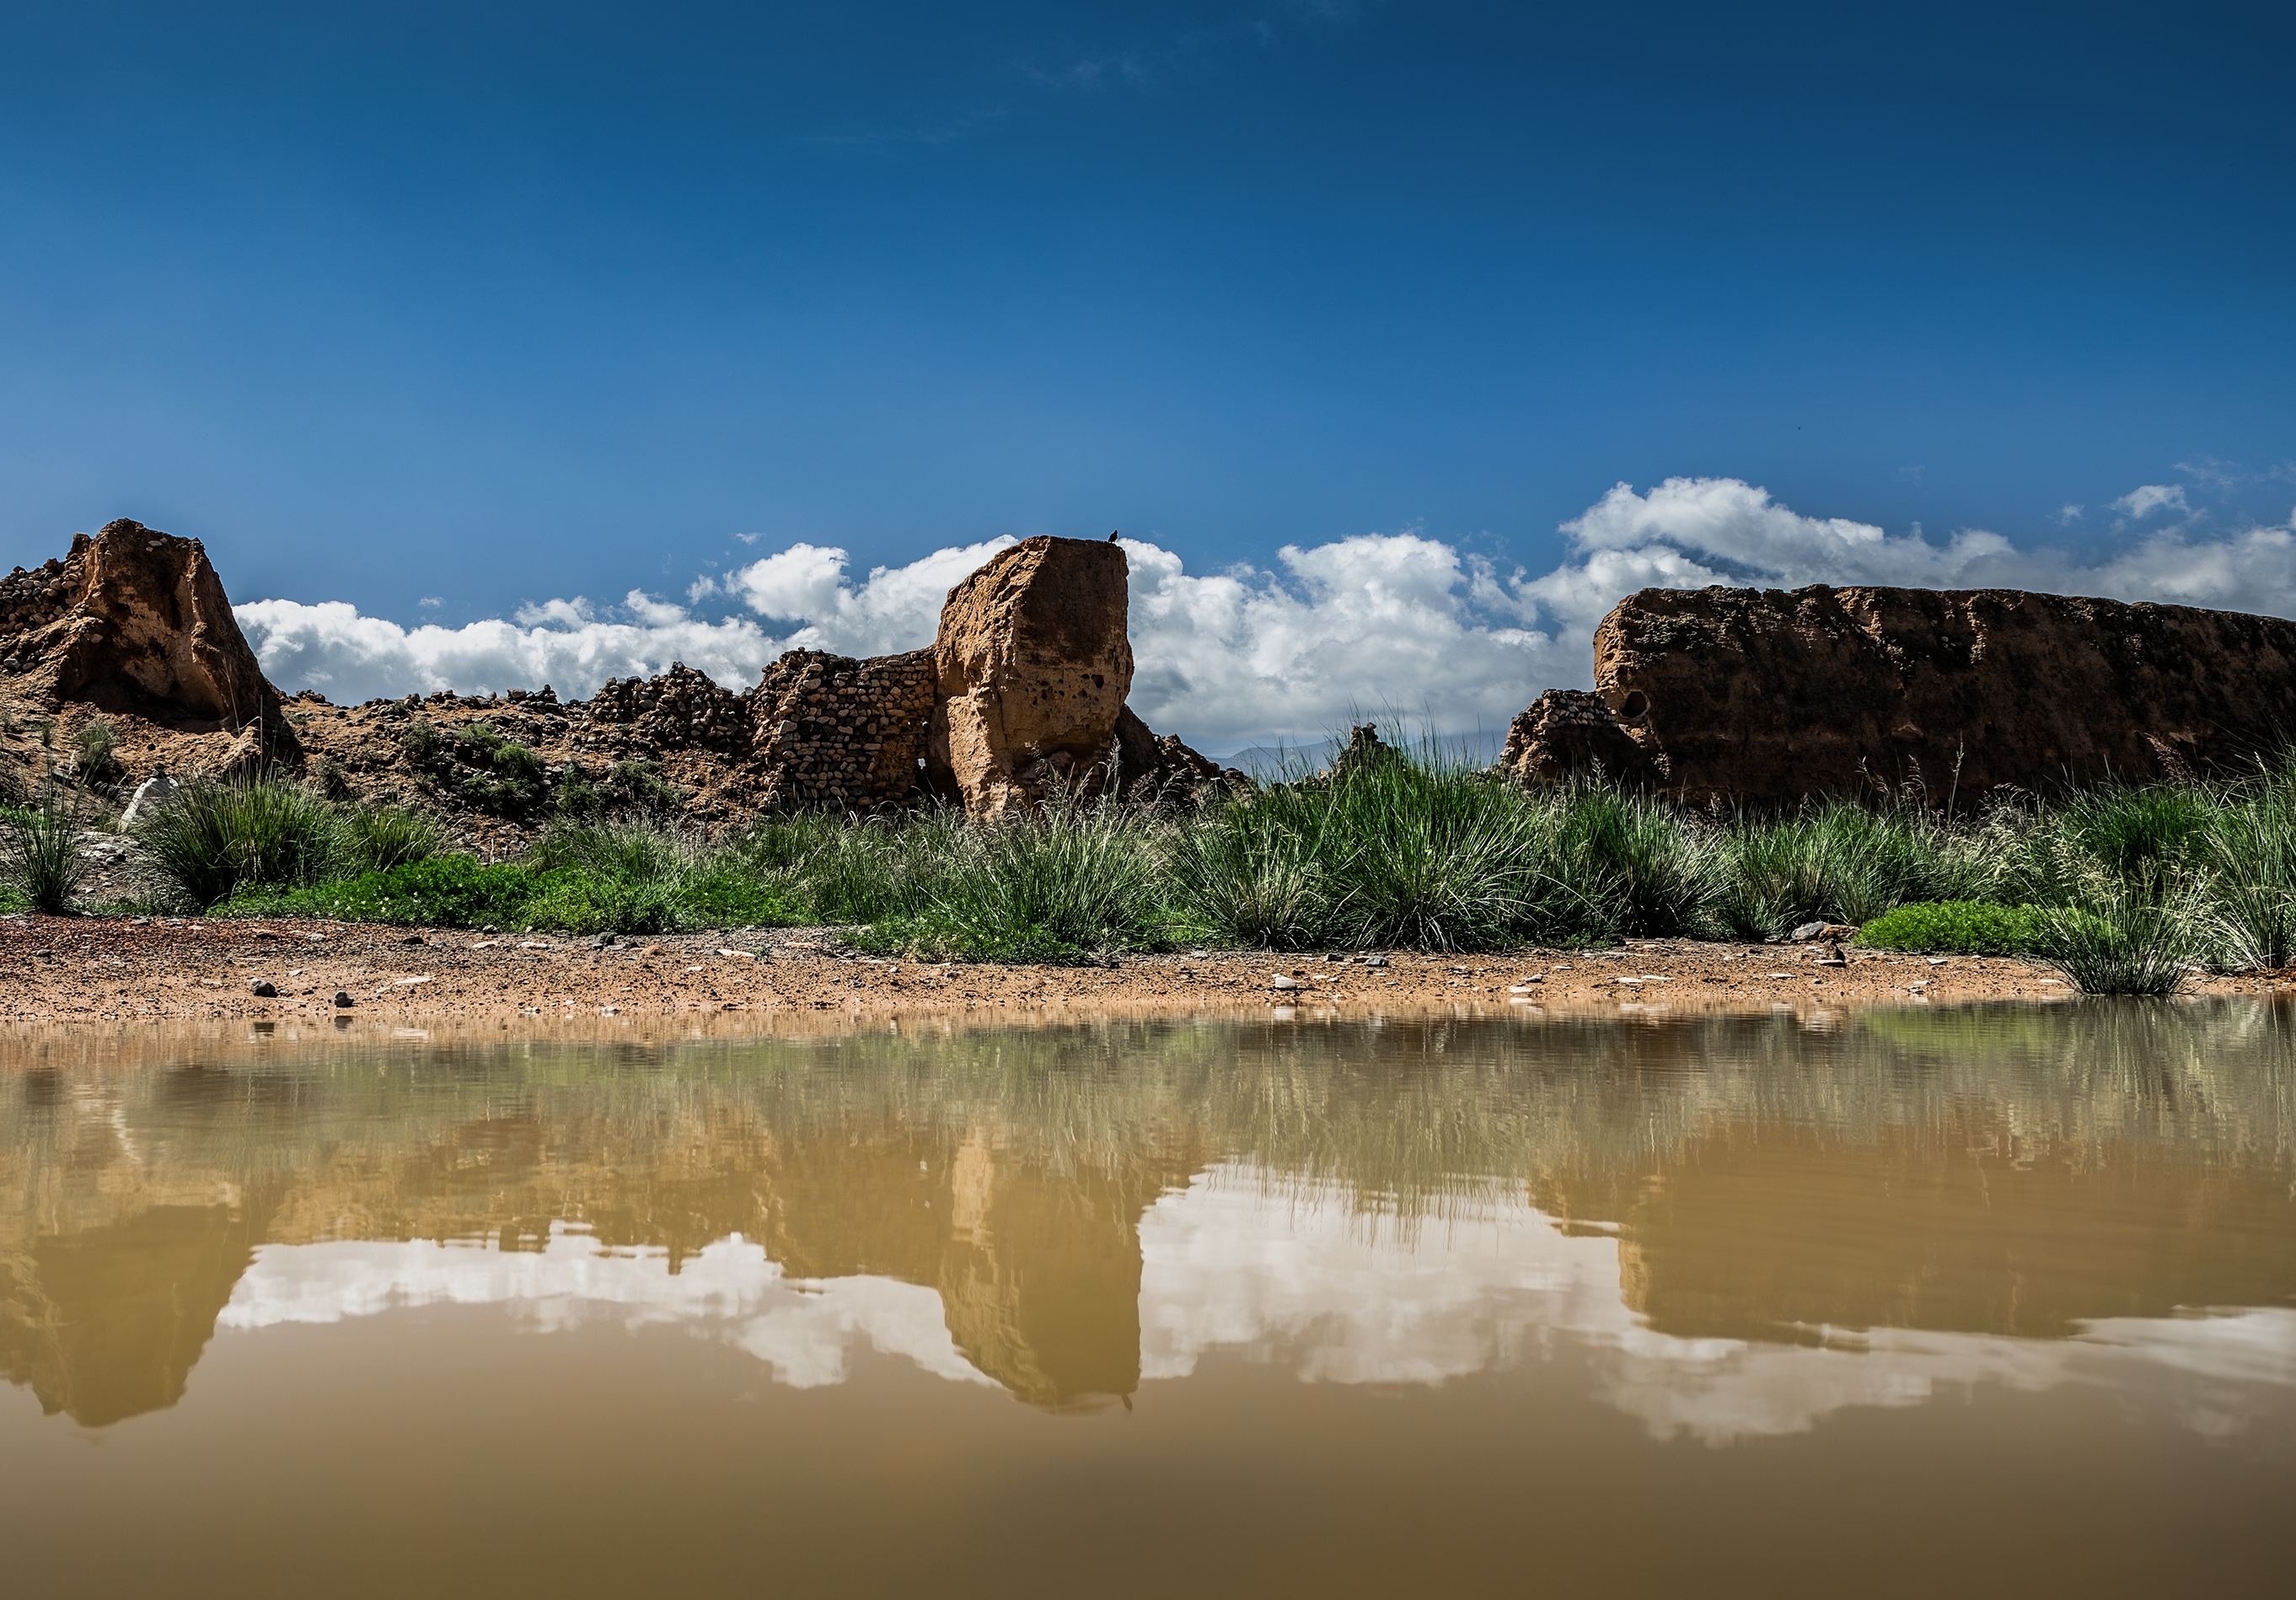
64 970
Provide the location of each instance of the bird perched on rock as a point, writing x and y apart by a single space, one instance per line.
1112 537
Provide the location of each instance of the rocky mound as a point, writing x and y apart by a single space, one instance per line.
131 629
133 619
1766 697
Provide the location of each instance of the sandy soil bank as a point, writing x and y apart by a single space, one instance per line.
94 969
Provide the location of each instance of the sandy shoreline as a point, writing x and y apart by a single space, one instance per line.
90 970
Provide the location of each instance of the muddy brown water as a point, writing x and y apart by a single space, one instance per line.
1986 1300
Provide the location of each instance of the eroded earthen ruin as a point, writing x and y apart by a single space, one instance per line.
1022 690
1765 697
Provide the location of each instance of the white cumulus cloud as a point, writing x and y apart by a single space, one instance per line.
332 648
2147 498
1372 624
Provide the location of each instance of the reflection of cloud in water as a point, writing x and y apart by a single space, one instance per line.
1304 1279
727 1291
1298 1277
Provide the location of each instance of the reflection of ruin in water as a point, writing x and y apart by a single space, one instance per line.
2008 1172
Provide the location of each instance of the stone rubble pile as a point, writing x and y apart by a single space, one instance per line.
681 710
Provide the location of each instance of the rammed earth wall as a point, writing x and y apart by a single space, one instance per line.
1766 697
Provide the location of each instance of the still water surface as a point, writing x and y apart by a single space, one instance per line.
1992 1299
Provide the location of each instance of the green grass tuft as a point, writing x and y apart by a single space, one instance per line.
214 836
40 858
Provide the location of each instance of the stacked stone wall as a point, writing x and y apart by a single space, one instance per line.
833 731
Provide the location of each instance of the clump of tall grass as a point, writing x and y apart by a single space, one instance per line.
2129 939
2250 856
1075 881
377 838
1837 861
1652 865
1250 876
40 855
2141 835
1416 852
212 836
96 746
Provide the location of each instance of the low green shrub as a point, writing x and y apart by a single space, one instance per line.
1959 927
586 902
626 787
724 899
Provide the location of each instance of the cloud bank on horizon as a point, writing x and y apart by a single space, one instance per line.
1375 624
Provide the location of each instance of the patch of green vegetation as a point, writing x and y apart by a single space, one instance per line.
380 837
2137 939
211 837
2121 889
650 889
625 788
444 890
1425 853
1959 927
95 745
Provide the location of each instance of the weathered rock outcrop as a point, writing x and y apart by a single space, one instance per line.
1152 766
1766 697
135 620
1032 665
1569 731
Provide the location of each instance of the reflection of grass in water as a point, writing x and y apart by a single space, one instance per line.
681 1143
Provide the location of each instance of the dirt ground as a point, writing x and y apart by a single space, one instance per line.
63 970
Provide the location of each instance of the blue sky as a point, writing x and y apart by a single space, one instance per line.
499 305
